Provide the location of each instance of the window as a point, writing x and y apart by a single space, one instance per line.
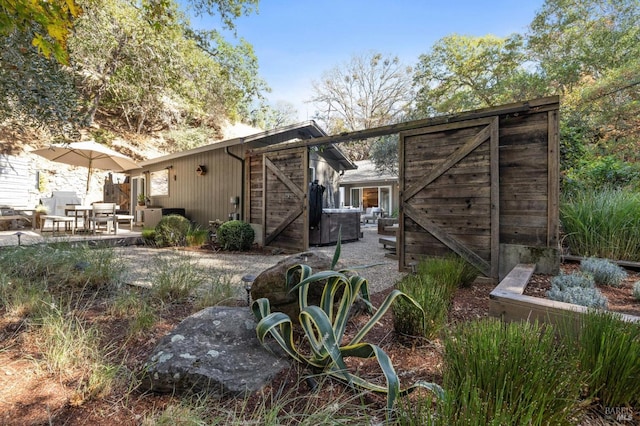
159 183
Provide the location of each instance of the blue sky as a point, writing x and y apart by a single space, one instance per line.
296 40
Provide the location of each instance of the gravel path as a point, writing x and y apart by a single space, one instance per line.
366 251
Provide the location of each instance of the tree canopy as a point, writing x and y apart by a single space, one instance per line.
140 62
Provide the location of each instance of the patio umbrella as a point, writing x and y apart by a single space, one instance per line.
89 154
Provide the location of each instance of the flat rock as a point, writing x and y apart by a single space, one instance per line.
215 350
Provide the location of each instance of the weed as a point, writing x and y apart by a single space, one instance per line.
218 289
175 280
452 270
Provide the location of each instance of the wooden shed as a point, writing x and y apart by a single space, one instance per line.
208 183
483 184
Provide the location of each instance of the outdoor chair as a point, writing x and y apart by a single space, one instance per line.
103 214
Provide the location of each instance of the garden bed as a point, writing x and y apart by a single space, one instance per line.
521 295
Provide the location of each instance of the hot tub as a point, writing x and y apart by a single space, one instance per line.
332 221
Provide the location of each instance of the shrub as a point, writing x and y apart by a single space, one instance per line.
197 237
515 373
149 236
174 281
433 297
452 270
605 224
608 351
604 271
235 235
172 230
636 290
578 289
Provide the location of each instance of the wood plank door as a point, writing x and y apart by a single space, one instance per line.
285 207
449 193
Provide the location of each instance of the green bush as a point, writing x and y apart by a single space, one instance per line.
235 235
172 231
603 224
609 353
197 237
149 236
511 374
604 271
579 289
433 297
452 270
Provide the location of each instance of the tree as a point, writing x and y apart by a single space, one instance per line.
267 116
463 73
49 24
370 90
384 154
589 52
36 91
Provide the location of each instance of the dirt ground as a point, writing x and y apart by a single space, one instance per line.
30 395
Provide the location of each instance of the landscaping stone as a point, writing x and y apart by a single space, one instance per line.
272 284
215 350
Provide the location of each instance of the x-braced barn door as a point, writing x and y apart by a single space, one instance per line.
449 187
284 189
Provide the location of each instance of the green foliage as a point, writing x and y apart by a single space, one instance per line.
603 224
452 270
76 267
50 22
172 231
187 138
434 297
324 328
384 154
608 352
604 271
600 174
175 280
465 73
514 373
578 289
235 235
149 236
197 237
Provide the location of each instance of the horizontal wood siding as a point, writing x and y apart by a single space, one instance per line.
460 204
18 183
524 180
458 201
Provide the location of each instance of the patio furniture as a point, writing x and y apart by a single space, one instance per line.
103 214
125 218
371 214
56 221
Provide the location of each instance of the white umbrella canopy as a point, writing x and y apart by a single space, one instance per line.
89 154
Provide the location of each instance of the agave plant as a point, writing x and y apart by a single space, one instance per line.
324 328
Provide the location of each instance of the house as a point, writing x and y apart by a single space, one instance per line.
211 182
365 187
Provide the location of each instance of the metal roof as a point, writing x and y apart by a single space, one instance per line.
305 130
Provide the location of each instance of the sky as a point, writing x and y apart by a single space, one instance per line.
296 40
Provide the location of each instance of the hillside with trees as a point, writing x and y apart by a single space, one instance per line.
141 71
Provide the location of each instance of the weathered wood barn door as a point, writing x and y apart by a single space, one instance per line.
278 182
449 193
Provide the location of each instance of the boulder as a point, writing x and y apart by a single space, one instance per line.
215 350
271 283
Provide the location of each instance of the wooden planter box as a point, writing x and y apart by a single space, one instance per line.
507 302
